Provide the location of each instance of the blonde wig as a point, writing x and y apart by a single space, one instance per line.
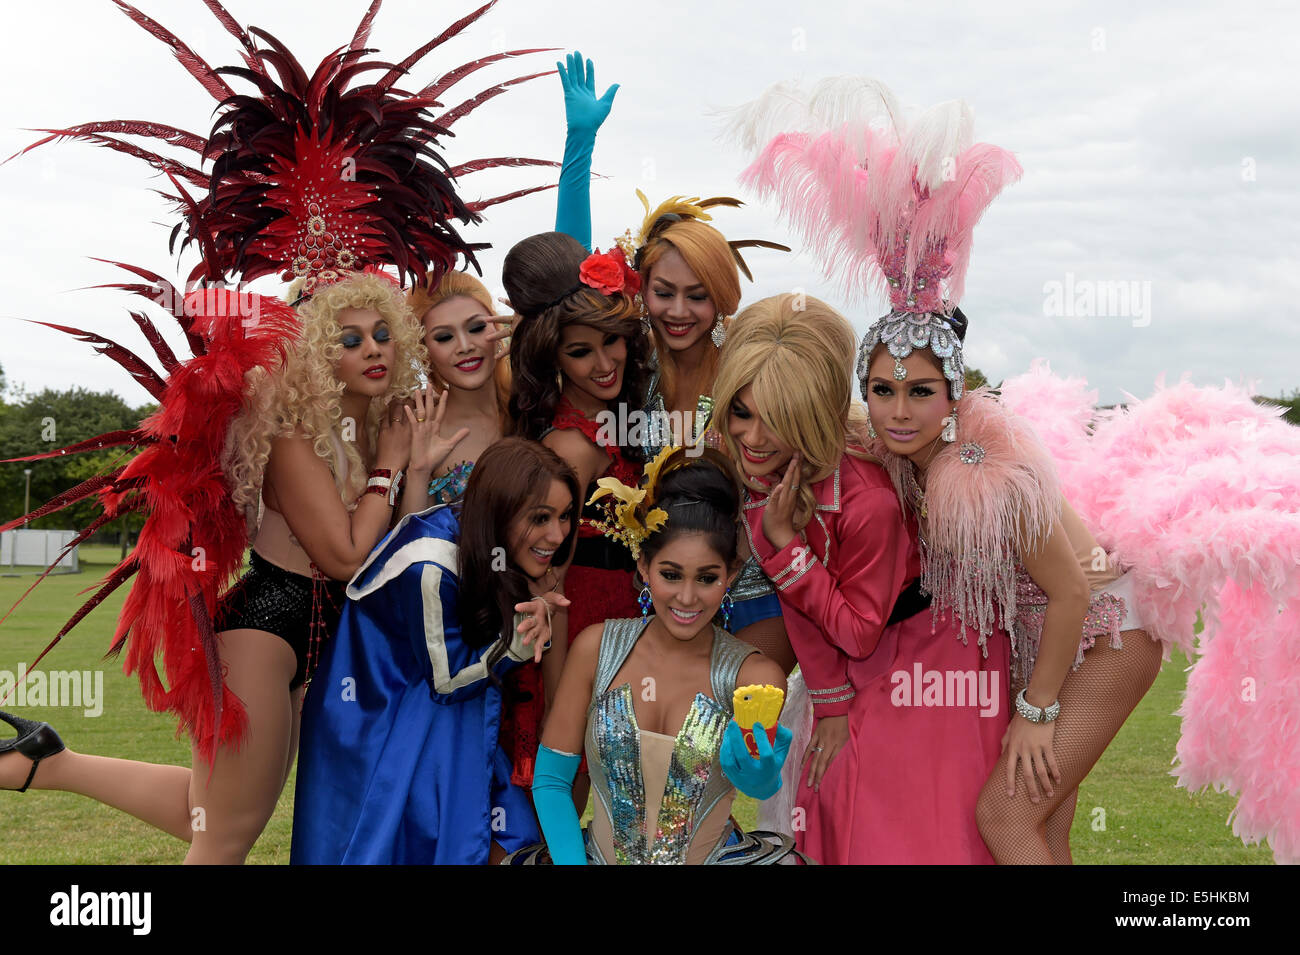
305 396
707 254
796 353
456 284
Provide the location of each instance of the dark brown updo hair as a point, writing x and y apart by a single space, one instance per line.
541 279
700 495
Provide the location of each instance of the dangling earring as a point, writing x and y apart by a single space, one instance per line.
719 333
950 427
728 602
559 381
644 601
871 428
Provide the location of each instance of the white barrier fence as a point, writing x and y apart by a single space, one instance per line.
25 547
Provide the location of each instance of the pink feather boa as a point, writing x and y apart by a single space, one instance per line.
1188 490
1197 492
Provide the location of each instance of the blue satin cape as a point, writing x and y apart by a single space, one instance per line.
400 761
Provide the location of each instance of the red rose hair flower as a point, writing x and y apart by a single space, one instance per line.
609 273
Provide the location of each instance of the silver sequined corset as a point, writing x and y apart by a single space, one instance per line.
695 783
664 429
751 582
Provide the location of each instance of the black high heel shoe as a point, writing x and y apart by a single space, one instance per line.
35 740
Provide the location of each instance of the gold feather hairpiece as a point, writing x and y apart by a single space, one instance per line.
677 208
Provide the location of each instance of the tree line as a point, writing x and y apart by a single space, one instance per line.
42 421
34 422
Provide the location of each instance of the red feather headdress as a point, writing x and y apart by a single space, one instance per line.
310 177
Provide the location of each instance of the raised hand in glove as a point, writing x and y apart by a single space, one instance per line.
758 778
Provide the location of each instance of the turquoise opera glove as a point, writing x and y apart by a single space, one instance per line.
584 113
757 778
553 775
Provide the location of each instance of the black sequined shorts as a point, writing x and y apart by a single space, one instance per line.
279 601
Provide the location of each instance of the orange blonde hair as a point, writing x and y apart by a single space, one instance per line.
457 284
707 254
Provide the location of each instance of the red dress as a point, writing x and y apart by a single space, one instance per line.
599 585
921 743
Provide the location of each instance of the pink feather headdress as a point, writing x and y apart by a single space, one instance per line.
889 203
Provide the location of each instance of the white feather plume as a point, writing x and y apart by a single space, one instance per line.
934 140
781 108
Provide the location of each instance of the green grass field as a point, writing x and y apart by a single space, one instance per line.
1147 819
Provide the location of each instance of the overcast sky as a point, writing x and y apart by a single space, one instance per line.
1160 149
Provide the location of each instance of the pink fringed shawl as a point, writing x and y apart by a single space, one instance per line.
979 513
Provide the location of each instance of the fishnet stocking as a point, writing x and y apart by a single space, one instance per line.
1058 830
1095 701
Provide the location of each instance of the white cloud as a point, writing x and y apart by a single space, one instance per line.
1132 127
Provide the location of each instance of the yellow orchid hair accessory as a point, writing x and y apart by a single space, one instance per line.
631 529
653 470
636 514
634 522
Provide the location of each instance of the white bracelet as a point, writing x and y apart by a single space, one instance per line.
1036 714
388 484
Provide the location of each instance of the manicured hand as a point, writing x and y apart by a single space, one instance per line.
758 778
1030 745
582 110
429 445
536 629
828 738
778 515
393 445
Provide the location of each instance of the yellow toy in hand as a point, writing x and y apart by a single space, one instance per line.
757 704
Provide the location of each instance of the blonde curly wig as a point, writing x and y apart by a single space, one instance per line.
304 395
